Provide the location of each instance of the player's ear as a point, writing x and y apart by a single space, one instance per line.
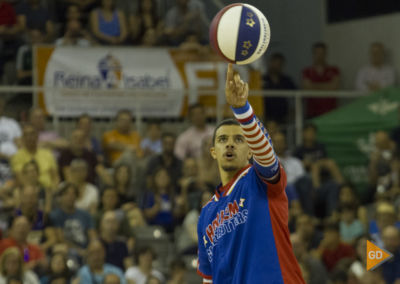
213 154
249 155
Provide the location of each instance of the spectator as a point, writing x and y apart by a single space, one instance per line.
153 280
88 198
358 267
96 269
385 217
10 132
144 268
123 185
41 233
145 26
75 35
186 18
391 241
47 138
162 206
166 159
48 175
207 166
189 142
81 8
32 254
74 226
91 142
331 249
112 279
277 108
377 74
121 138
347 195
317 271
350 227
32 15
24 58
187 240
320 76
77 150
116 249
108 24
58 269
178 270
151 145
307 232
11 265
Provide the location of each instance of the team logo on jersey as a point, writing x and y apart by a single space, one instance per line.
110 69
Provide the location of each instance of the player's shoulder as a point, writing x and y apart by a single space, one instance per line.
209 203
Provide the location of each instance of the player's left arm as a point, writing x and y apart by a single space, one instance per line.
265 160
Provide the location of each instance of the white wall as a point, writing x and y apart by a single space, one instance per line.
349 42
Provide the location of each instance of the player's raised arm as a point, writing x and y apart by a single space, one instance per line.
265 159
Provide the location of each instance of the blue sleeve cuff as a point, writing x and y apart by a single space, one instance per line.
240 110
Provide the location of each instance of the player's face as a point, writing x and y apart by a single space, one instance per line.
230 149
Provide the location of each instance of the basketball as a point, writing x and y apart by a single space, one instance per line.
240 33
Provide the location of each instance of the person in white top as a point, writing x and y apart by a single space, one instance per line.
377 74
88 193
144 268
10 132
189 143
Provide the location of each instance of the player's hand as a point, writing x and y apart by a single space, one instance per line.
236 91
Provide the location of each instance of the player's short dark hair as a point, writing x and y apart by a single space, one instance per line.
229 121
319 44
278 56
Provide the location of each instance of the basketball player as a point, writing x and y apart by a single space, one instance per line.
243 230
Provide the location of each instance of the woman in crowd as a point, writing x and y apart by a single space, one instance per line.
11 266
108 24
58 269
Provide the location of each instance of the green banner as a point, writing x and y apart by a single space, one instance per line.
348 132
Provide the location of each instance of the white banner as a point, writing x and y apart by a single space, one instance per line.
110 71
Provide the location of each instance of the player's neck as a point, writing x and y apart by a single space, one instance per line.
227 176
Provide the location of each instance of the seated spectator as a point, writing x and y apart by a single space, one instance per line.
391 241
10 133
350 227
47 138
32 15
108 24
316 270
347 195
207 166
187 17
377 74
331 249
151 144
77 150
189 142
96 268
115 248
379 170
58 269
81 8
75 35
358 267
74 226
166 159
277 108
41 233
12 266
178 270
385 217
30 150
25 57
145 26
162 206
18 237
187 240
121 138
307 231
123 185
88 198
91 142
144 267
320 76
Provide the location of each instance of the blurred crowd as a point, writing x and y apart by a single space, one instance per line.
122 207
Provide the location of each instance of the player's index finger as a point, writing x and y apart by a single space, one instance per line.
229 73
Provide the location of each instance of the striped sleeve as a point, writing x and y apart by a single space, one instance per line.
265 159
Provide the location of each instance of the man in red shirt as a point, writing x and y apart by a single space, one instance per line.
320 76
18 238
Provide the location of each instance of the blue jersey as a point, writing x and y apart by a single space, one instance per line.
243 233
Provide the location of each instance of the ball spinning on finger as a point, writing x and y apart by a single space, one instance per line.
240 33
